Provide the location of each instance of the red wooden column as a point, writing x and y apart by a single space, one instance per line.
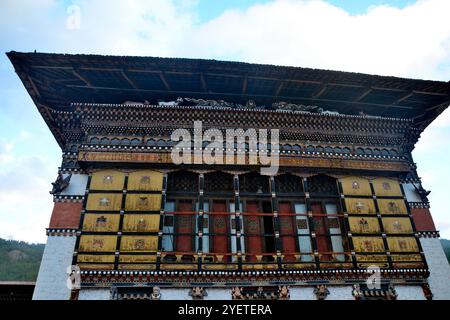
253 230
287 230
320 228
219 225
185 224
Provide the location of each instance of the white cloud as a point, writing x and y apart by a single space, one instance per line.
409 42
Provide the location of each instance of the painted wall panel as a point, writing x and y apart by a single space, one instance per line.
97 243
392 206
402 244
368 244
139 243
356 186
141 222
360 205
386 187
397 225
101 222
145 180
143 202
364 225
104 201
107 180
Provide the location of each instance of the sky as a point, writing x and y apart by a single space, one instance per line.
398 38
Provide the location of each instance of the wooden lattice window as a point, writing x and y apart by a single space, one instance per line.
182 181
218 181
253 182
322 184
288 183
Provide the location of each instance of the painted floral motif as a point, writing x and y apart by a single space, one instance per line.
97 243
139 244
104 202
386 186
107 179
101 222
363 225
141 225
145 179
355 185
143 201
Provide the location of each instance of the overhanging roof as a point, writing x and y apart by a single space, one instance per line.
56 80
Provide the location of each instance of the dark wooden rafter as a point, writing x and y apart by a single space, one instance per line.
79 76
164 81
244 84
123 72
279 88
321 91
407 96
363 95
202 80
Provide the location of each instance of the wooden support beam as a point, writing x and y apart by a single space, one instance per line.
363 95
131 82
278 90
202 80
244 85
320 92
79 76
164 81
35 89
403 98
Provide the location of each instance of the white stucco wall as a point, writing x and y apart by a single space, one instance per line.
336 293
94 294
51 280
411 193
409 292
439 279
77 185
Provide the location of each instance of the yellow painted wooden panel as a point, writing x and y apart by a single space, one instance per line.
141 222
356 186
143 202
364 225
95 258
392 206
139 243
397 225
386 187
176 266
145 180
104 201
98 243
368 244
137 258
402 244
85 266
137 266
406 257
371 257
107 180
101 222
359 205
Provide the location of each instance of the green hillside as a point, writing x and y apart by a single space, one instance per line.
446 245
19 260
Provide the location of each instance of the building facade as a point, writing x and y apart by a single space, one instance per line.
344 216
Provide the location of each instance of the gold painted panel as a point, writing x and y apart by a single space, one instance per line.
397 225
141 222
392 206
98 243
364 225
143 202
408 265
371 257
167 266
101 222
86 266
139 243
386 187
145 180
368 244
406 257
137 258
95 258
359 205
107 180
104 201
355 186
402 244
137 266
